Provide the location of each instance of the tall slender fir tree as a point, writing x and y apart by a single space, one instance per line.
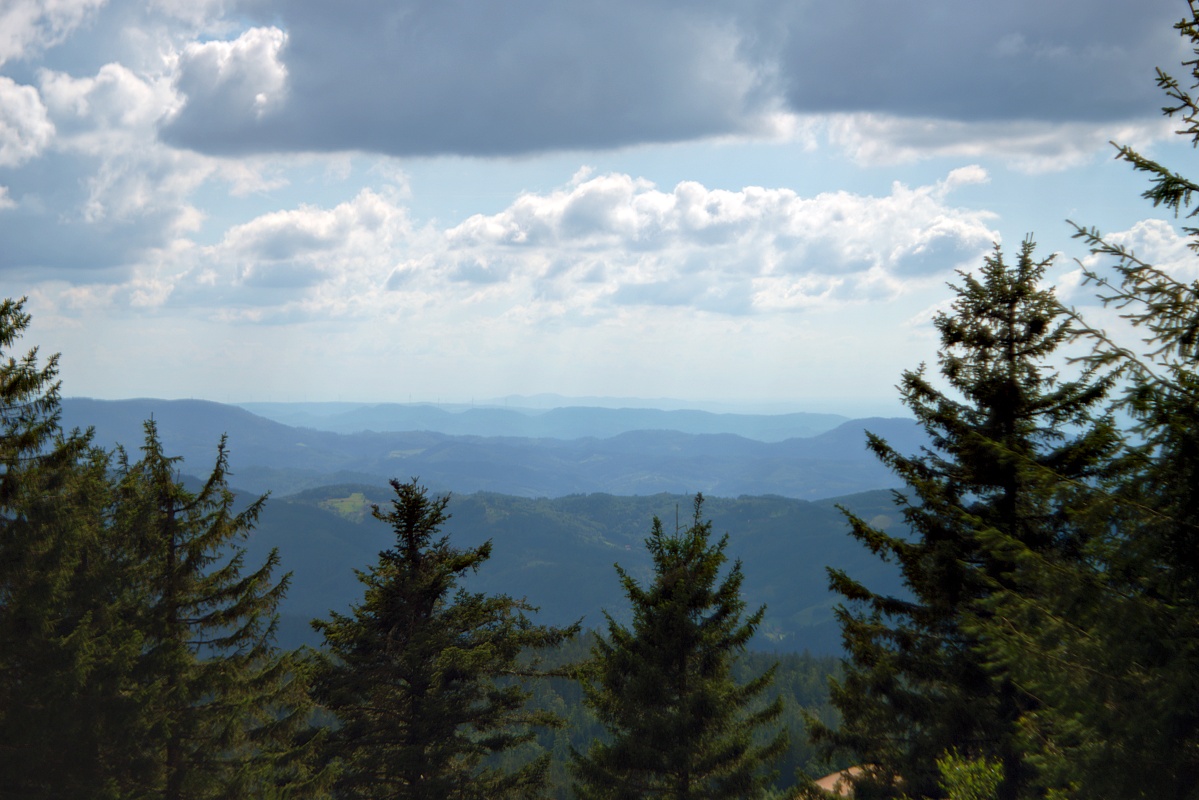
64 646
419 675
1110 642
1006 434
221 702
680 726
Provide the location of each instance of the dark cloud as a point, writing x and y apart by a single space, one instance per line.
486 78
1065 60
460 76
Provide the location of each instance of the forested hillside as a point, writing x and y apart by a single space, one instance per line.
559 553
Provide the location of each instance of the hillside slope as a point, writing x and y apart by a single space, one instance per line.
560 553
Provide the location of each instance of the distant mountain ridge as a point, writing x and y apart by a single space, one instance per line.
559 512
570 422
270 456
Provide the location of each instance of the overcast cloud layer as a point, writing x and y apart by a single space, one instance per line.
457 76
191 167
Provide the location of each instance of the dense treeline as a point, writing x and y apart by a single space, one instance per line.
1046 644
558 552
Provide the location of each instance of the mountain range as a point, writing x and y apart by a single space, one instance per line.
563 422
266 455
560 511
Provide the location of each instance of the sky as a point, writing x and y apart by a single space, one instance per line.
755 204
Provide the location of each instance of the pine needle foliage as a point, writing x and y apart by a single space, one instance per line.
679 726
136 658
417 674
919 680
64 647
1110 645
30 434
221 703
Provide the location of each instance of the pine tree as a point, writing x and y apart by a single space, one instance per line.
1110 644
680 727
419 674
220 703
64 648
919 681
29 408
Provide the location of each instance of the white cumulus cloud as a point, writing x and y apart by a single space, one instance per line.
27 26
1154 241
580 254
234 80
617 239
25 127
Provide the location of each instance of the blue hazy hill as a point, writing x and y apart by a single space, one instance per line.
269 456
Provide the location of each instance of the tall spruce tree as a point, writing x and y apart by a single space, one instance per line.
64 647
1006 433
680 726
419 675
220 703
1110 642
30 435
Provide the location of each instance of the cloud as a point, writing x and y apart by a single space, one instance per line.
90 189
463 77
29 26
243 80
575 255
25 128
617 239
1154 241
327 260
1066 61
91 111
93 187
900 81
1031 146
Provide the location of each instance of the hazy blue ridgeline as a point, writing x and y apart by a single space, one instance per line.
568 422
269 456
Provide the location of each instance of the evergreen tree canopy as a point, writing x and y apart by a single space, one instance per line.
415 673
220 702
135 658
63 647
1110 642
918 683
29 407
680 727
